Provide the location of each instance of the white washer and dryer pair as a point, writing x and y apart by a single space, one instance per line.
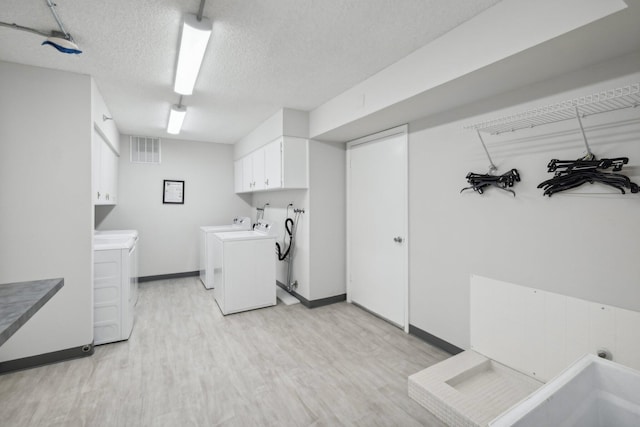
244 275
207 240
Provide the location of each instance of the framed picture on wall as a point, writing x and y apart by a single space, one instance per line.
173 192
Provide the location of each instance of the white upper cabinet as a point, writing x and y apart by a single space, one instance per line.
105 150
273 165
258 170
252 167
237 174
108 174
247 173
281 164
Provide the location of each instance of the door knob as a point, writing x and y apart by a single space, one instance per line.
397 239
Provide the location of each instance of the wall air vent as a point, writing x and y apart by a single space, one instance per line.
145 149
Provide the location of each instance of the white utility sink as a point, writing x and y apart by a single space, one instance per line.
592 392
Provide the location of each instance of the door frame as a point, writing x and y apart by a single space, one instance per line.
398 130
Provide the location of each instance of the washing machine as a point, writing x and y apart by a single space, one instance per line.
206 240
244 274
116 234
114 287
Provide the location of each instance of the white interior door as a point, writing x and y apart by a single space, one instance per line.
377 224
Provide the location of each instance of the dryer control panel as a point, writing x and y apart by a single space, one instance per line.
265 227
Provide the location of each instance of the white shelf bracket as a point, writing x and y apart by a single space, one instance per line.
584 135
492 167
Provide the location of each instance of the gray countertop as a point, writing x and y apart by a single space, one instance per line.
19 301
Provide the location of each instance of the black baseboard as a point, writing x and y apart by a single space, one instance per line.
168 276
316 302
46 359
434 340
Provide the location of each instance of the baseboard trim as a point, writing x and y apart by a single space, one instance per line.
168 276
434 340
316 302
46 358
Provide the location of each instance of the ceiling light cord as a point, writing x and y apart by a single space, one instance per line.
200 11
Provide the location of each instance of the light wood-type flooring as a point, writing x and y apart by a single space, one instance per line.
187 365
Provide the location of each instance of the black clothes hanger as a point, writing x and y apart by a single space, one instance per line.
481 181
570 165
570 174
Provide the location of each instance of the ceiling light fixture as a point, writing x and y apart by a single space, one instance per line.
196 31
176 117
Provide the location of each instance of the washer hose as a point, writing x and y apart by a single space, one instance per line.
288 224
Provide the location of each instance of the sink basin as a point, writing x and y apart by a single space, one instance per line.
592 392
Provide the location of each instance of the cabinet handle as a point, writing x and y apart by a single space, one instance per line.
397 239
266 182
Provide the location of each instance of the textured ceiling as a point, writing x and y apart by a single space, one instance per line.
263 55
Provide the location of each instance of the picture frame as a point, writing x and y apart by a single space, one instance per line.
173 192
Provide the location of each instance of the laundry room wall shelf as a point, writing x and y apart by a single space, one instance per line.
577 108
597 103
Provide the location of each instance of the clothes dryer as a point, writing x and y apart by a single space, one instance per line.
206 240
245 269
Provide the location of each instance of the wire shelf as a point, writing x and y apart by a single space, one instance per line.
602 102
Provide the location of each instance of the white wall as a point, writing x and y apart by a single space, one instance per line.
266 132
277 213
295 123
327 215
319 256
169 233
46 215
285 122
585 246
499 32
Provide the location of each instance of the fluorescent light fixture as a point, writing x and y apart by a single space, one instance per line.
176 117
193 43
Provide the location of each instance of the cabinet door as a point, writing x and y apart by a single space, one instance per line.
273 165
108 174
247 173
112 177
258 170
96 166
237 176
